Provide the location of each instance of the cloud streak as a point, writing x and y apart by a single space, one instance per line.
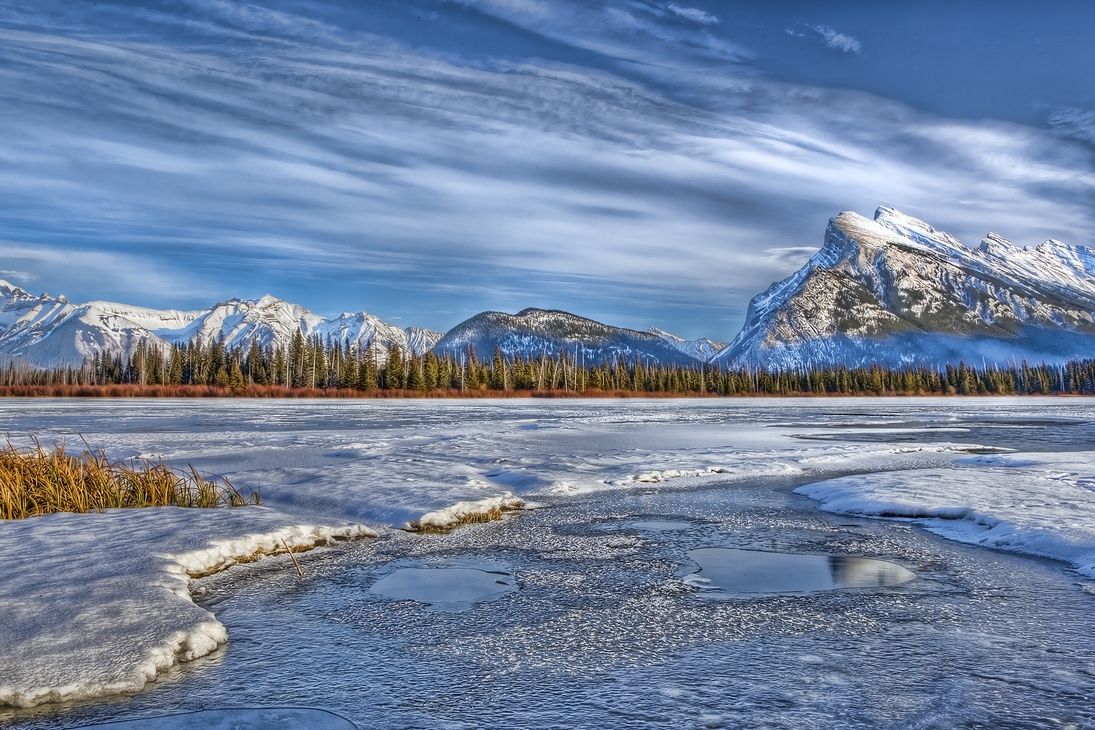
838 41
694 14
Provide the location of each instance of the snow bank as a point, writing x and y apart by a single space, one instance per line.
480 510
1036 504
99 604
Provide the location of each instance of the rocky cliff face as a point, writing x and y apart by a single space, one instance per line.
895 291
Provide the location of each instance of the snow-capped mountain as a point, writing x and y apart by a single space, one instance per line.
701 349
895 291
48 331
536 332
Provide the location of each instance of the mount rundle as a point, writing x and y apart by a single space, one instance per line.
891 291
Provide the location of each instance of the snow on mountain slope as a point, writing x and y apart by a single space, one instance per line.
536 332
895 291
701 349
420 341
48 331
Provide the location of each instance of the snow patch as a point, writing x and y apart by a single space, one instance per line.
480 510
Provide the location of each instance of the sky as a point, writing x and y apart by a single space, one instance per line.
640 162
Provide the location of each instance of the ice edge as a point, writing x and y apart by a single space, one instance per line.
202 638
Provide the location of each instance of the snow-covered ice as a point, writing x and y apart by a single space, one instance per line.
103 603
1038 504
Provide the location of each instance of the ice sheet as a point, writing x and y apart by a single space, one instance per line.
98 604
1037 504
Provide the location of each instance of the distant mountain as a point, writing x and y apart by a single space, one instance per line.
702 349
48 331
895 291
536 332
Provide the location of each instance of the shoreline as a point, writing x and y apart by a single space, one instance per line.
121 391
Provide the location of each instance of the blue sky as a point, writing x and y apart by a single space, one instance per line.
640 162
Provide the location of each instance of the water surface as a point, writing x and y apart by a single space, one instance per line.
753 571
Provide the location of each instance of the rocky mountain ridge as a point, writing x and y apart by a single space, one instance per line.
532 333
895 291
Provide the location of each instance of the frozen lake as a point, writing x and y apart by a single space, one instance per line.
592 610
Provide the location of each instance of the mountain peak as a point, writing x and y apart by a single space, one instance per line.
918 231
7 289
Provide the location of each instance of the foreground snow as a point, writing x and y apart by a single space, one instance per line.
1036 504
98 604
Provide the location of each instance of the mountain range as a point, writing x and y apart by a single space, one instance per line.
48 331
890 290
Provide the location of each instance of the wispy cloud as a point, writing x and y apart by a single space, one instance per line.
791 254
838 41
694 14
624 30
22 277
233 150
1076 123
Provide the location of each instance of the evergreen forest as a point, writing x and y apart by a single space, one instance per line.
311 367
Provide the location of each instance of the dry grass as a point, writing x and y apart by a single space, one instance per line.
41 481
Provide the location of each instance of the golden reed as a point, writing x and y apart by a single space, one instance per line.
41 481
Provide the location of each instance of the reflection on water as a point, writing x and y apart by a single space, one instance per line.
752 571
661 525
453 588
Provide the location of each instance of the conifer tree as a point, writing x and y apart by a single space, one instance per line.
393 368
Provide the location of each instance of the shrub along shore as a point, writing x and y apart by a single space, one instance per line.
309 369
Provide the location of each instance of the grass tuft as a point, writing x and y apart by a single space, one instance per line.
42 481
469 518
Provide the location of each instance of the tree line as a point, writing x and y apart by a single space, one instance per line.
311 363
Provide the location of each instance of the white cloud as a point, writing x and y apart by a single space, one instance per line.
694 14
838 41
23 277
